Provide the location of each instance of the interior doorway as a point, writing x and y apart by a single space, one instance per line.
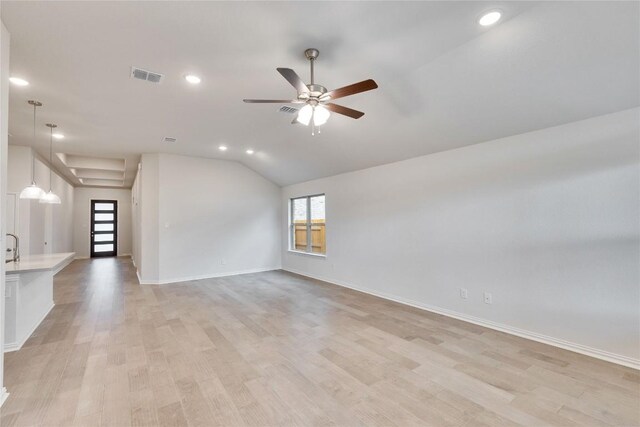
104 228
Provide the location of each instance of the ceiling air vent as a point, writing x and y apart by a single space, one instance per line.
288 110
169 139
150 76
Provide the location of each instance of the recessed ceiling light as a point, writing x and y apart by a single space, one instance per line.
249 151
194 80
222 148
58 136
490 18
18 81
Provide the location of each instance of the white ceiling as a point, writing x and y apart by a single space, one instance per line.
445 82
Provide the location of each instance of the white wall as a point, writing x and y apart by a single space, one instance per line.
135 221
19 172
42 228
148 263
545 221
82 215
206 218
62 217
39 213
4 129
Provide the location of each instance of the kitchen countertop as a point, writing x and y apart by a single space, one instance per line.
42 262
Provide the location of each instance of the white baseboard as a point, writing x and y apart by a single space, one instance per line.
120 255
204 276
17 345
534 336
3 395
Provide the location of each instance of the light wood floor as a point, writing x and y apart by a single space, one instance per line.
278 349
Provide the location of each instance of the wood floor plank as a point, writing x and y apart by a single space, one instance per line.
278 349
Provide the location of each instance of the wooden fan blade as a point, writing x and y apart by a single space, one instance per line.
362 86
272 101
294 79
354 114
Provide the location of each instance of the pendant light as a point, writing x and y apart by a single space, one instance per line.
50 198
33 191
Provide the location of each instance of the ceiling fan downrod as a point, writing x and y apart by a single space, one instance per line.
311 55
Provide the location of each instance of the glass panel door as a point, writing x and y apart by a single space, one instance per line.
104 228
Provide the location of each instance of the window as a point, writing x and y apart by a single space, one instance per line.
307 229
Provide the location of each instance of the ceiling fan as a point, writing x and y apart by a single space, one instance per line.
316 97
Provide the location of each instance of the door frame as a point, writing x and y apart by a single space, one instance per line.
114 232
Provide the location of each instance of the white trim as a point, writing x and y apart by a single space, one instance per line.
14 346
534 336
81 257
3 395
307 253
204 276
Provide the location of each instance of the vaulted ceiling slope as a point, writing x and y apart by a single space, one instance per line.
445 82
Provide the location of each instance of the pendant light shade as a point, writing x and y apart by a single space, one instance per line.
33 191
50 197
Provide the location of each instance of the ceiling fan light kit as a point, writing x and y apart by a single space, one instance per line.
317 108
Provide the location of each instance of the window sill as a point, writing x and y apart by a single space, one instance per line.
307 253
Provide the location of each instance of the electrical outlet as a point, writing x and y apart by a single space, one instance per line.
223 262
487 298
463 293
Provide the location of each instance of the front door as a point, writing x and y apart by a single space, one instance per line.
104 228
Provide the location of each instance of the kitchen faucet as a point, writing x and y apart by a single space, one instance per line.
16 249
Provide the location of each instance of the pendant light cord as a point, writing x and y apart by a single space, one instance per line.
50 158
33 157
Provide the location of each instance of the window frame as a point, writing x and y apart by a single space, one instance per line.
292 233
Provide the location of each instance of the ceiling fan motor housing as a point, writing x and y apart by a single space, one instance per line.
315 92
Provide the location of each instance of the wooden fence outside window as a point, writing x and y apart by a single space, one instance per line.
318 236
